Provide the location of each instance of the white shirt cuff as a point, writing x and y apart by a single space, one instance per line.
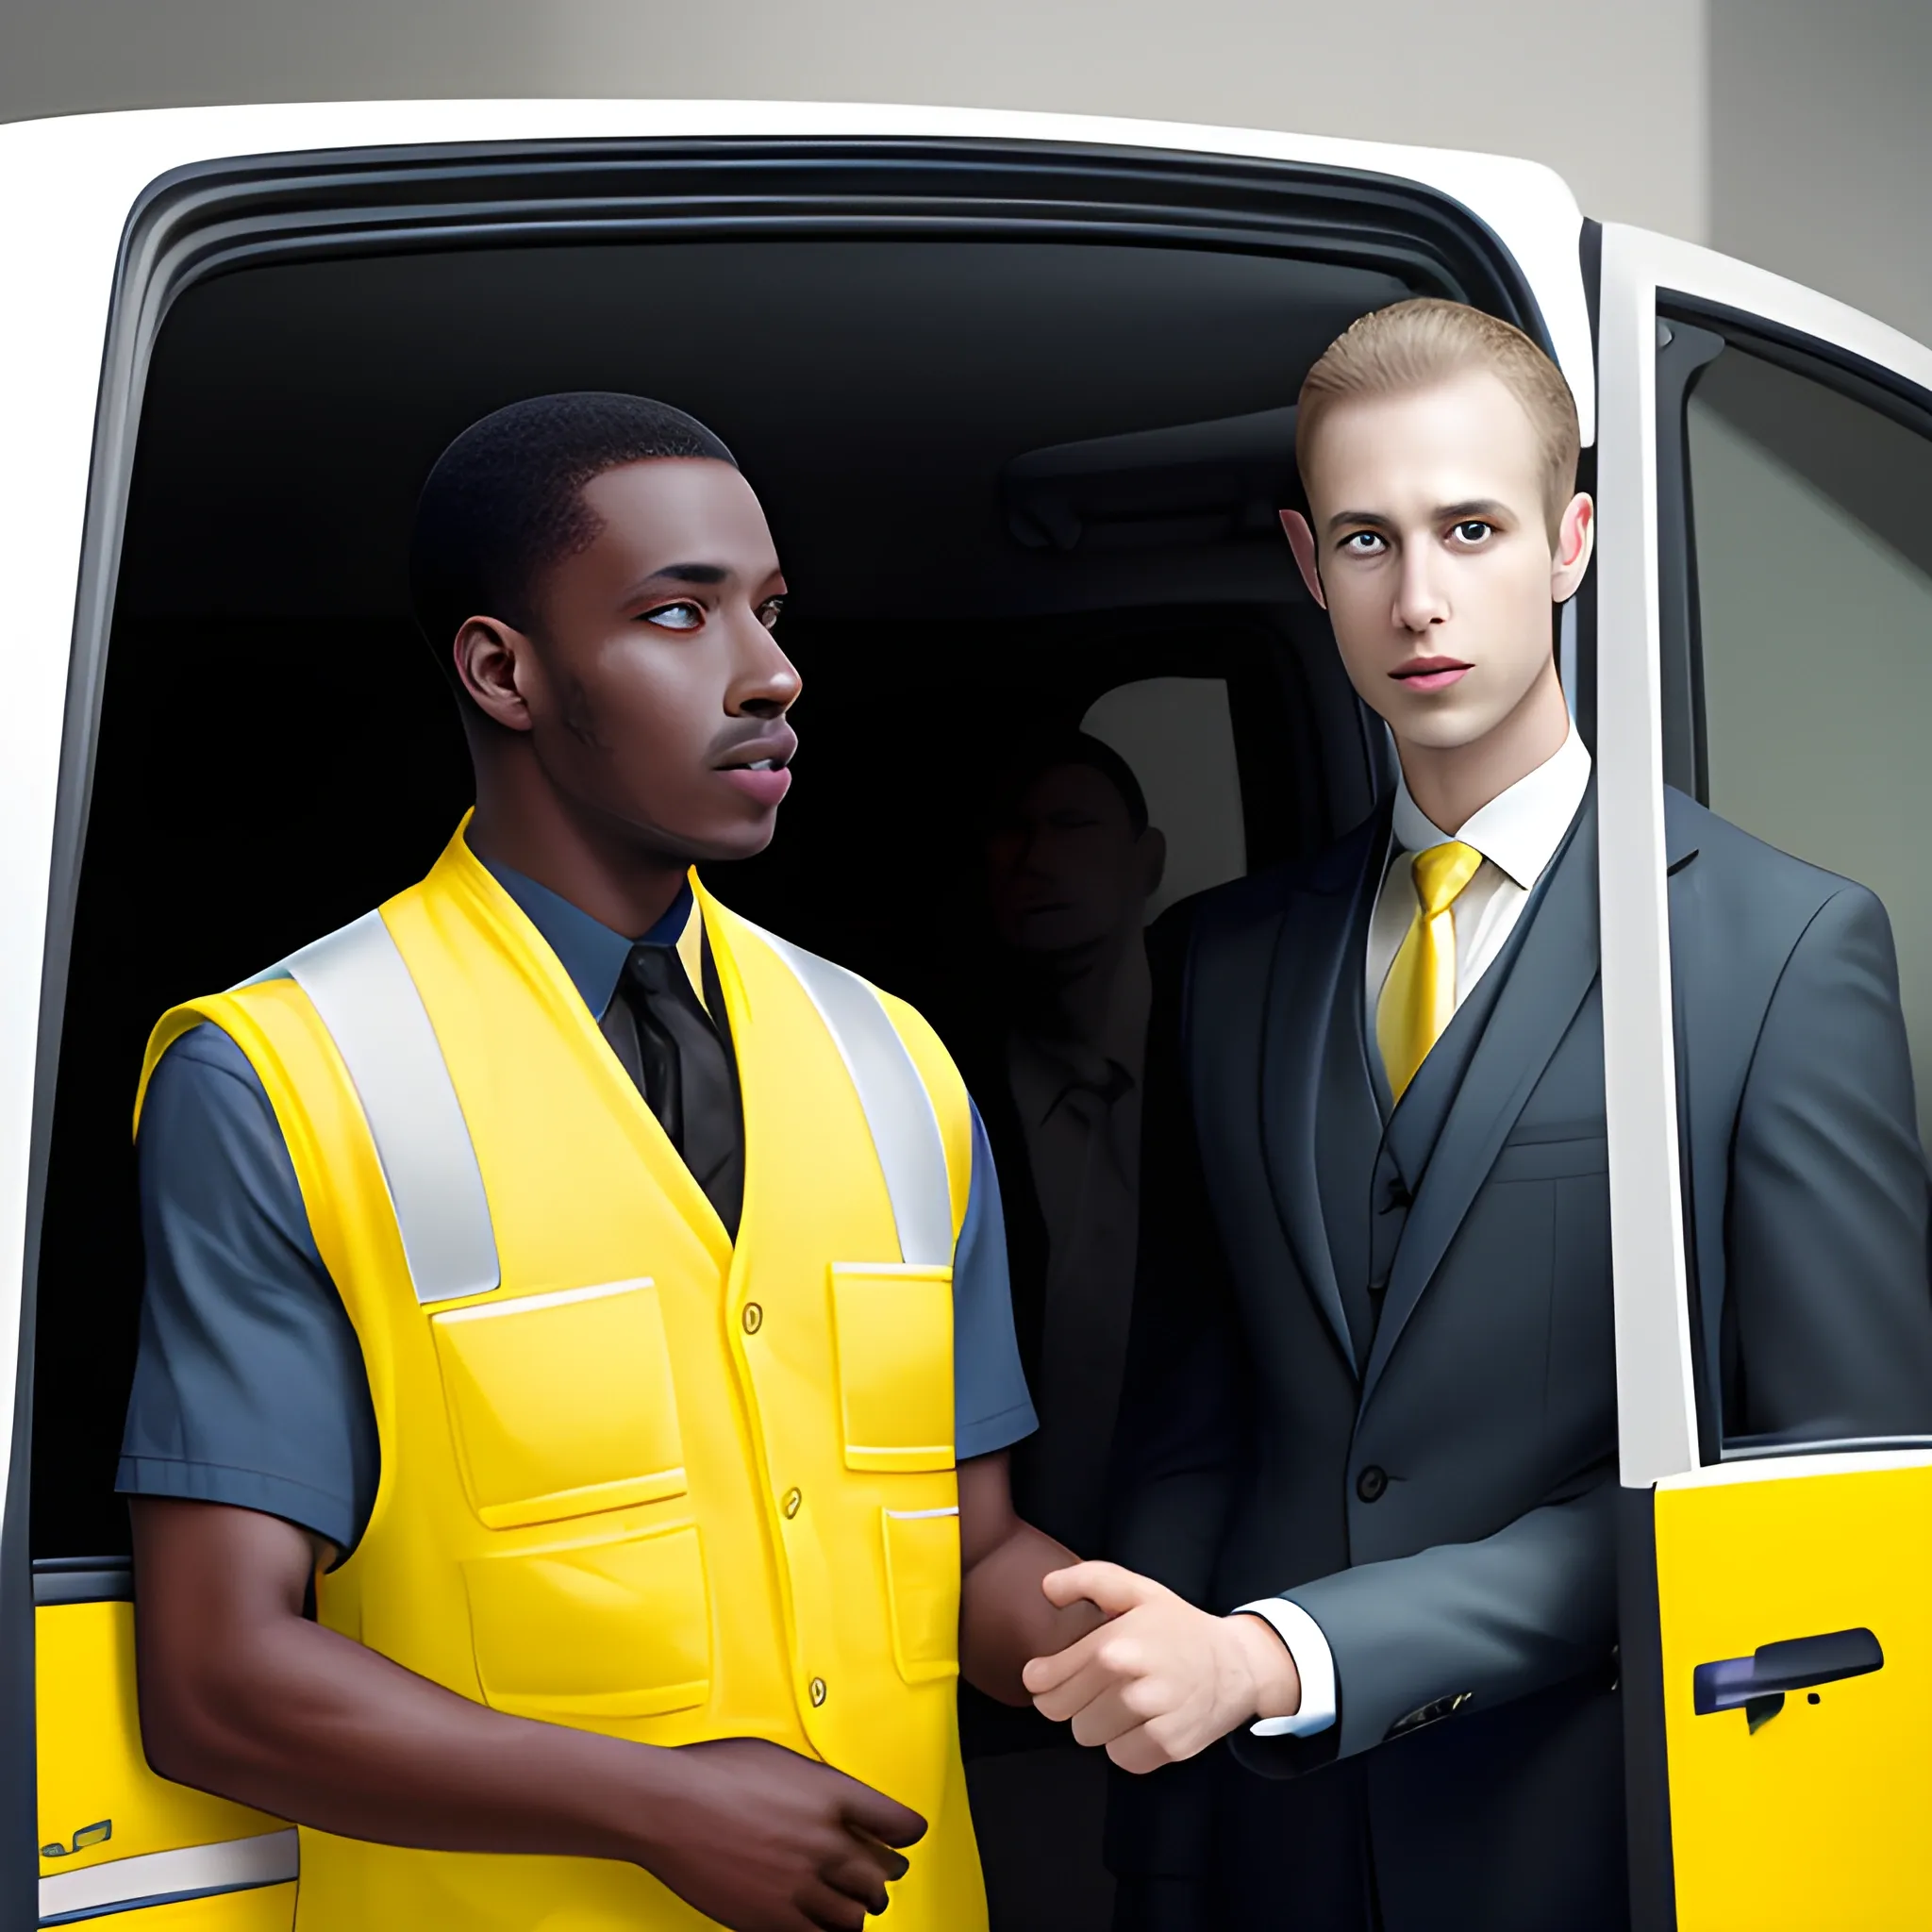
1313 1661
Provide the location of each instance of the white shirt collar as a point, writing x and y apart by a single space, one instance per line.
1520 829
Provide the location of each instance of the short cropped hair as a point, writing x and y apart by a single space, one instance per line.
1415 345
1033 757
505 503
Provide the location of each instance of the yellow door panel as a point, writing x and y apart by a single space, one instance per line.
1813 1818
266 1909
98 1800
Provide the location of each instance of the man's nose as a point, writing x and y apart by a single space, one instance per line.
765 682
1420 599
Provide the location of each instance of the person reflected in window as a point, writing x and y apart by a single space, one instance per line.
1072 863
1053 1046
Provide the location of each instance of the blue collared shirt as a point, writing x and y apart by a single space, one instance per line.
249 1387
587 949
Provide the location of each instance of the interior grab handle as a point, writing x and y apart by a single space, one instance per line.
1756 1684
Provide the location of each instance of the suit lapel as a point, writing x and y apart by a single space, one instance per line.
1553 966
1320 943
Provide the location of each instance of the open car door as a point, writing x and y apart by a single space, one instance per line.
1765 643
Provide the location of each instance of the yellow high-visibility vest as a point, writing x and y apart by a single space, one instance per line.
634 1478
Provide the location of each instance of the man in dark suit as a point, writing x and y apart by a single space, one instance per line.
1372 1422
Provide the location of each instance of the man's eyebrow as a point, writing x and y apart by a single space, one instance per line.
690 574
1373 519
1446 513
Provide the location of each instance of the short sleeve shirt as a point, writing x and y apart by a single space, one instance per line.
249 1387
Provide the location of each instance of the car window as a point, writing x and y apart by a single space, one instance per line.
1814 605
1809 600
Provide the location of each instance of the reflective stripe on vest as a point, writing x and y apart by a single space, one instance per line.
898 1110
360 986
358 982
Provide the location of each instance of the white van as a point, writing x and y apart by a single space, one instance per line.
232 342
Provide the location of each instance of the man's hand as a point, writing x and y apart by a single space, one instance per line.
1161 1680
242 1695
762 1840
1004 1613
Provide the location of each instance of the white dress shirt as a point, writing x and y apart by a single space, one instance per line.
1516 833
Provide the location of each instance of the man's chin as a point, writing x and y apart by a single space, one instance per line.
1050 939
1431 729
706 843
724 845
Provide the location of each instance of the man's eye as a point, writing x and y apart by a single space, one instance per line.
770 611
1472 531
676 617
1362 544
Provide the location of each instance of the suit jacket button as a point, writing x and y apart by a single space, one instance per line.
1370 1483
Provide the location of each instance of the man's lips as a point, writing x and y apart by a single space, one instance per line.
763 784
775 746
760 766
1429 673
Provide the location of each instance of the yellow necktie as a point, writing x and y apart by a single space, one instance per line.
1419 996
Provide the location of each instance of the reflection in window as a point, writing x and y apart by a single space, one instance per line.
1814 579
1178 736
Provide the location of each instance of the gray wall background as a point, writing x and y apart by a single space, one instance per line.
1797 133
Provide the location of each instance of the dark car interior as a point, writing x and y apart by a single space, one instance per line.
950 441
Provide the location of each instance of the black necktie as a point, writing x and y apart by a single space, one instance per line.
684 1071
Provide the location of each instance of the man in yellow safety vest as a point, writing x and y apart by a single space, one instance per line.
597 1303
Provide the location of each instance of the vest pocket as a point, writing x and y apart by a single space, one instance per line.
561 1403
923 1583
611 1630
893 1329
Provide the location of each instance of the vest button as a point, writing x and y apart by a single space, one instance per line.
818 1691
753 1318
792 1499
1370 1483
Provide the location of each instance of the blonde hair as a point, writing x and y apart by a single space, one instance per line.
1416 345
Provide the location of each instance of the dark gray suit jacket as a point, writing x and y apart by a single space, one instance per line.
1373 1365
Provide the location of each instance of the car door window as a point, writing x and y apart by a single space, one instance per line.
1809 620
1814 617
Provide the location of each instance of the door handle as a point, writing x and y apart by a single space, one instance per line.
1756 1684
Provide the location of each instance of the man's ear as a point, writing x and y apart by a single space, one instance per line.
1576 543
1300 539
493 659
1153 843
